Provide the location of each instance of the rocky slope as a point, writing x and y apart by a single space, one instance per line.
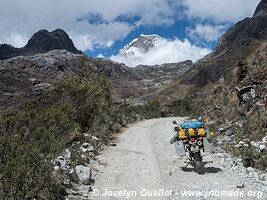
241 43
41 42
49 56
24 77
229 87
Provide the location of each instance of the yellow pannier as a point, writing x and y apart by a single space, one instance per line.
191 133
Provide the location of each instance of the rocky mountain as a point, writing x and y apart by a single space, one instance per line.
35 68
244 43
236 44
133 53
41 42
23 78
141 44
229 87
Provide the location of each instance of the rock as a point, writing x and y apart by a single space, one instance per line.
137 117
262 176
59 161
8 95
84 174
92 140
254 144
67 154
241 143
242 185
87 147
221 130
229 132
219 155
35 81
228 139
250 169
116 127
246 140
238 161
42 86
237 146
73 176
246 145
67 183
262 147
264 140
62 162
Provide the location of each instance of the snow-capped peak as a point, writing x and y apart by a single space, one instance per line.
153 49
151 35
143 44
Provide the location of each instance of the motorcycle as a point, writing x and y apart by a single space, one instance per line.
193 146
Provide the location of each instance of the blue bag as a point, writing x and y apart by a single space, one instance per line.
192 124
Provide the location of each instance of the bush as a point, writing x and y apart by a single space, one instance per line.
29 141
87 98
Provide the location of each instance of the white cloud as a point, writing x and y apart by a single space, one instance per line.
19 40
206 32
165 51
220 10
21 18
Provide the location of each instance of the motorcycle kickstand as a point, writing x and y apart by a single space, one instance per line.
191 160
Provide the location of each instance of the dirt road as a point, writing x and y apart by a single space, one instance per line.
144 165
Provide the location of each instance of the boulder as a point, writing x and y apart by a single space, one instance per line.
87 147
73 176
62 163
250 169
84 174
229 132
262 147
221 130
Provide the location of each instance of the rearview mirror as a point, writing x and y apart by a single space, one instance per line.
174 122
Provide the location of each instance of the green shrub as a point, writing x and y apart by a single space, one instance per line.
29 141
88 99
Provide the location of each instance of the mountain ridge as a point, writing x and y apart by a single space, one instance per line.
41 42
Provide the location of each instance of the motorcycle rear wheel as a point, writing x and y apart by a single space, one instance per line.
199 166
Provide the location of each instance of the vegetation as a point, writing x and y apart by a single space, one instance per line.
28 143
31 138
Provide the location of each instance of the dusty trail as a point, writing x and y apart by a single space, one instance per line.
144 160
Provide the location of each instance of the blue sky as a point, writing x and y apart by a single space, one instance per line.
176 30
105 26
